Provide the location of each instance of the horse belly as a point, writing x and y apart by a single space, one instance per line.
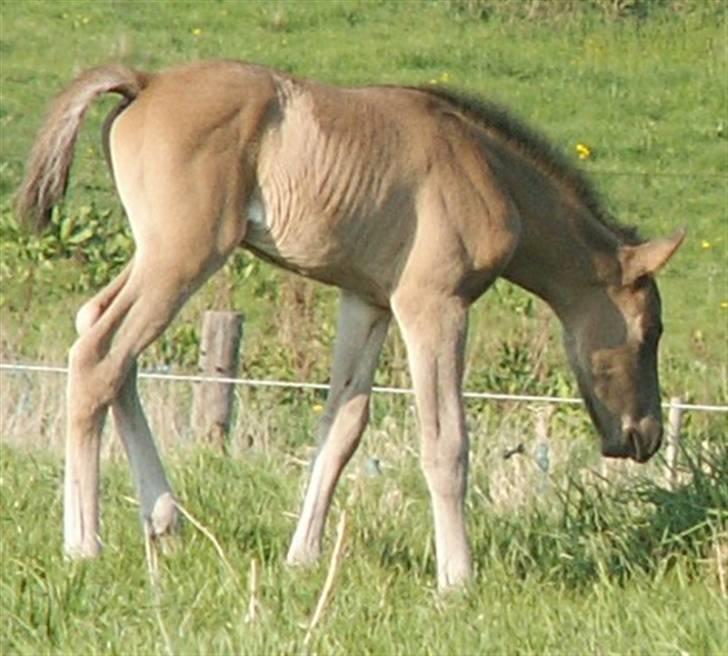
363 253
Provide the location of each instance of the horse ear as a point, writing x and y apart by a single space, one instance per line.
648 258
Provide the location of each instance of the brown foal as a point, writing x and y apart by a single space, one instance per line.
411 200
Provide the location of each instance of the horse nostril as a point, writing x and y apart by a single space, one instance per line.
643 444
633 438
641 438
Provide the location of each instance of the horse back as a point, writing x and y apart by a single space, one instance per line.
350 186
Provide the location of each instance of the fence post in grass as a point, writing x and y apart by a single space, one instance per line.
672 446
542 451
219 353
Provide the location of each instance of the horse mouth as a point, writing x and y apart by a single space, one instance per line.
618 449
632 444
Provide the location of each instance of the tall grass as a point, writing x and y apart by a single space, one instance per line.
597 558
624 566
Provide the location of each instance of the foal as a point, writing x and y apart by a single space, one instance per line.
411 200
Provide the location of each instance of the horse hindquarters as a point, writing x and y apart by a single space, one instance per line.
183 231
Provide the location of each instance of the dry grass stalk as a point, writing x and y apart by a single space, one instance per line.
253 603
720 560
208 534
336 558
152 558
151 553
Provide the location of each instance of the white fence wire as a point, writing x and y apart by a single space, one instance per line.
252 382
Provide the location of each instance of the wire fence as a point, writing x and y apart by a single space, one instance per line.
284 384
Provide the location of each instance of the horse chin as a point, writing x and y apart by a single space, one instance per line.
629 444
619 449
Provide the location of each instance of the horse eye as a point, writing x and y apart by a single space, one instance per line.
604 371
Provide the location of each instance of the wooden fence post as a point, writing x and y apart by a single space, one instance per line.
219 353
542 448
672 435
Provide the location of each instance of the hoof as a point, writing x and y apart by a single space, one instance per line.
83 551
302 557
454 580
164 517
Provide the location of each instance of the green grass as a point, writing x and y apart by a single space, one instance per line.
585 568
568 565
601 560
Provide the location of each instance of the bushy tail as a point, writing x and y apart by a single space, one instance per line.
46 175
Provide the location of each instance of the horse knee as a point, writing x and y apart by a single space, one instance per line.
354 413
91 385
445 466
343 425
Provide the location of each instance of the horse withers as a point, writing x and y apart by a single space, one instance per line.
412 201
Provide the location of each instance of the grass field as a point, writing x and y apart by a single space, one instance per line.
624 568
582 559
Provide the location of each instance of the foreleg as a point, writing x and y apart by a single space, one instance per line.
361 332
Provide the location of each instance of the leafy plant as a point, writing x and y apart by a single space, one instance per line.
92 237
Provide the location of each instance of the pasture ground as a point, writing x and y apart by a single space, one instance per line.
575 566
581 558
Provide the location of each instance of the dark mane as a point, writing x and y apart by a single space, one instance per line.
536 147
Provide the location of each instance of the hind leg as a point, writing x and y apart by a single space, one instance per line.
127 316
183 175
156 500
80 520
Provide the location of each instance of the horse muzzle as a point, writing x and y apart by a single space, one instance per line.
638 440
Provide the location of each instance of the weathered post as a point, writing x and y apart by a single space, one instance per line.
672 440
542 450
219 352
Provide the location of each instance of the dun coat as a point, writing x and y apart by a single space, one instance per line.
411 200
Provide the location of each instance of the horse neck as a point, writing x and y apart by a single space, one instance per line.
565 254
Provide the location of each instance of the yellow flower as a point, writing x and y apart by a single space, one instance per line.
197 31
705 244
318 409
724 305
583 151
